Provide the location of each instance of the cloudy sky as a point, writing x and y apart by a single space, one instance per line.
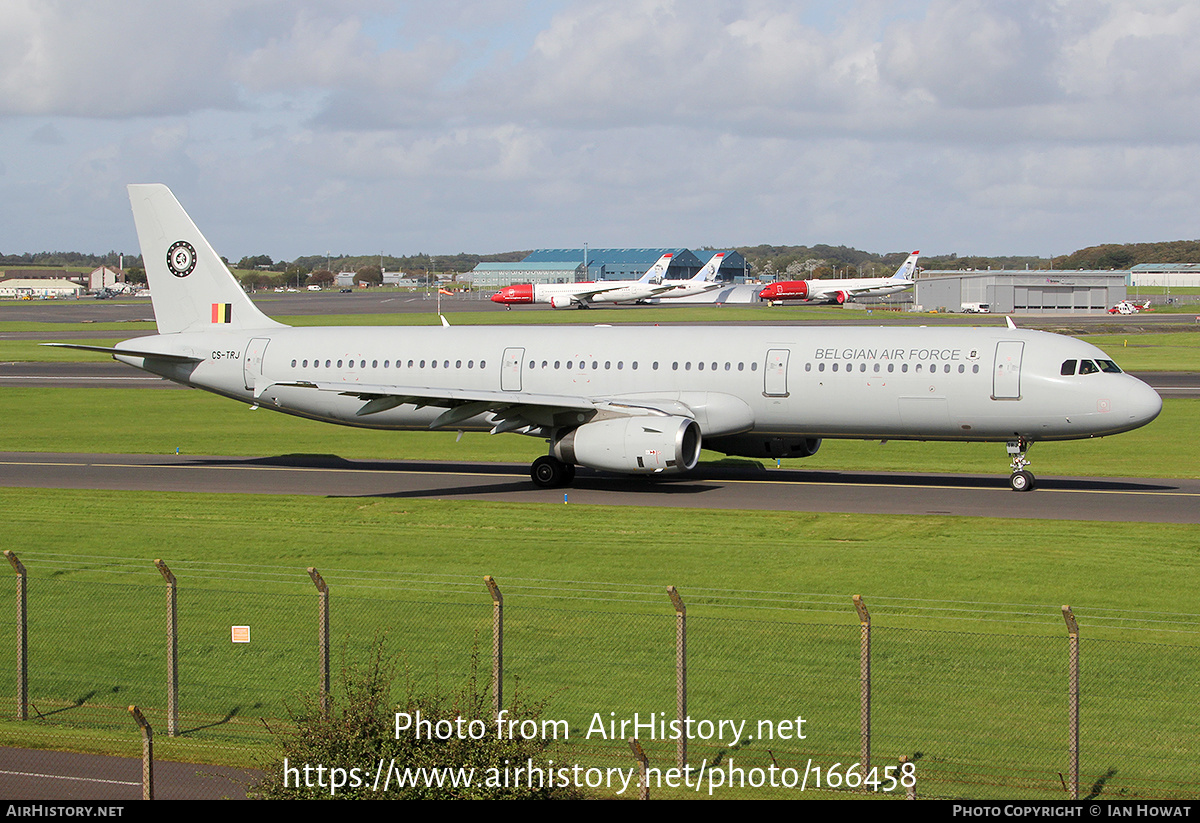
292 127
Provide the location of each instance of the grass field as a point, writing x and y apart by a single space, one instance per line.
970 645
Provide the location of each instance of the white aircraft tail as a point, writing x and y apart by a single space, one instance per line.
709 272
190 286
658 271
908 268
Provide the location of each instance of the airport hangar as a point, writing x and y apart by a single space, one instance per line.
1049 291
567 266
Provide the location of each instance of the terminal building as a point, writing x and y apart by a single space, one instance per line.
1052 292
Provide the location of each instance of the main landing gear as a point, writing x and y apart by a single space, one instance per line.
549 472
1021 479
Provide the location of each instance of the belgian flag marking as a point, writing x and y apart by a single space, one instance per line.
222 312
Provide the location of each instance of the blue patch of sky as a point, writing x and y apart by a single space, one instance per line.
481 42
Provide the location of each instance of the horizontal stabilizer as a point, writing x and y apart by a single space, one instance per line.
173 358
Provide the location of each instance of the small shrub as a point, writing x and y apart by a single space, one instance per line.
353 751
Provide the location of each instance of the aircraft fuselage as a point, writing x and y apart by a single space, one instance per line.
840 382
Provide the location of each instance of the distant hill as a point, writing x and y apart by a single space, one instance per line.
1112 256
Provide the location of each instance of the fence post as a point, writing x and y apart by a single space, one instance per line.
1073 708
864 675
680 674
322 637
172 651
497 643
147 753
22 637
643 763
910 792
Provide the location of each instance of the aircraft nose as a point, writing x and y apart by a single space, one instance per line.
1144 402
497 297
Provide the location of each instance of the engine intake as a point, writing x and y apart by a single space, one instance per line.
633 445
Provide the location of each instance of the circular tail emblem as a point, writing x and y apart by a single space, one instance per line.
181 258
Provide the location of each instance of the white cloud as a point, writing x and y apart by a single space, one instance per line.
471 124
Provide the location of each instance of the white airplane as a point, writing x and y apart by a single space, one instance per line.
704 280
582 295
630 399
840 291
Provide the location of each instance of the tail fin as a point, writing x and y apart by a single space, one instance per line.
709 272
908 268
658 271
190 286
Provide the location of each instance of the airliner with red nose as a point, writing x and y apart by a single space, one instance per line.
840 291
583 295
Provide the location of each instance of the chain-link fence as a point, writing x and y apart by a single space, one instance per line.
733 694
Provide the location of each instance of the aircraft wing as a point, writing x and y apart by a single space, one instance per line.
512 410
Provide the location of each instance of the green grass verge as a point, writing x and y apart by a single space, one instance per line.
973 681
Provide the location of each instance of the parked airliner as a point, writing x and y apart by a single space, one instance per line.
629 399
583 295
704 280
840 291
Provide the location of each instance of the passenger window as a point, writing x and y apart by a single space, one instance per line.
835 366
1068 368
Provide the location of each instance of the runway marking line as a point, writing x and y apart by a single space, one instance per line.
67 777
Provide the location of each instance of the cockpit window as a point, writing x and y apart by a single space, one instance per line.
1108 366
1068 367
1087 367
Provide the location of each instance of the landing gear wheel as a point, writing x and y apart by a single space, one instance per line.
1021 481
549 472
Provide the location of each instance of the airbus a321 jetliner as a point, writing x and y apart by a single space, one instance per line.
638 400
582 295
839 291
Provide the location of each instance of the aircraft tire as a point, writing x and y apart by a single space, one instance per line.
549 472
1021 481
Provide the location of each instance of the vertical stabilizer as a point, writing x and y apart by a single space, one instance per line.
908 268
658 271
190 286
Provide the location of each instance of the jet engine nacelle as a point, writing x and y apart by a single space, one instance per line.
752 445
633 445
561 301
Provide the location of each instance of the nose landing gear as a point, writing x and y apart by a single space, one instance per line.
1021 479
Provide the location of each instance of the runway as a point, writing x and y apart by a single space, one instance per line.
710 487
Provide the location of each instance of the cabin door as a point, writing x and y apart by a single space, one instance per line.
1006 377
510 371
775 373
